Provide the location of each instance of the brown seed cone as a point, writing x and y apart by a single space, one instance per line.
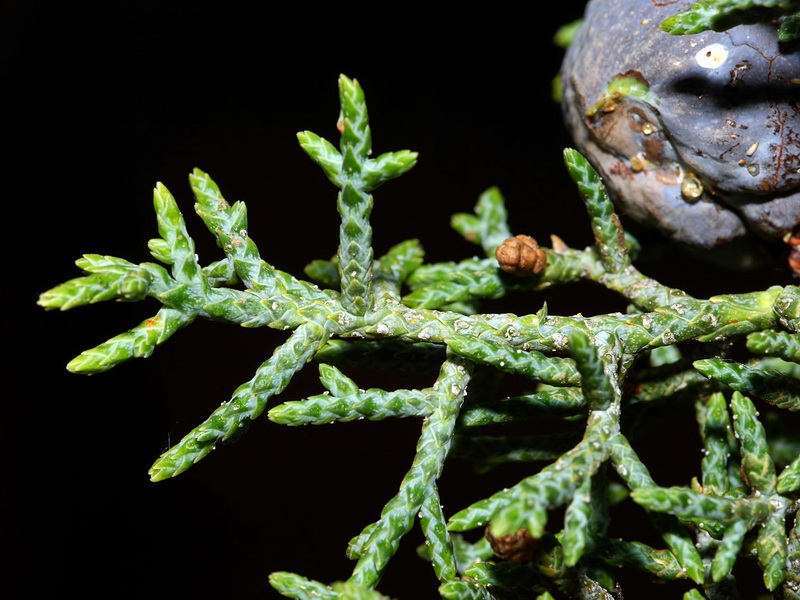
516 547
521 256
794 250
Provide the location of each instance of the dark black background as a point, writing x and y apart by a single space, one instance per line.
104 100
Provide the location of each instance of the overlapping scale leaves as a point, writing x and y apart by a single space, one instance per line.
547 535
719 15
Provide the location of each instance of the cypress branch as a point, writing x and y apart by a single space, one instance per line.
399 313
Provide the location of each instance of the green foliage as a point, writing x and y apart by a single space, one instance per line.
587 372
565 33
719 15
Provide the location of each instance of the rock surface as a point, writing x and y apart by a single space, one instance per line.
697 135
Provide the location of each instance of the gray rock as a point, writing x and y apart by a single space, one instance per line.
697 135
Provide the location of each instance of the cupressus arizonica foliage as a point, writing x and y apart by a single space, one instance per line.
743 505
